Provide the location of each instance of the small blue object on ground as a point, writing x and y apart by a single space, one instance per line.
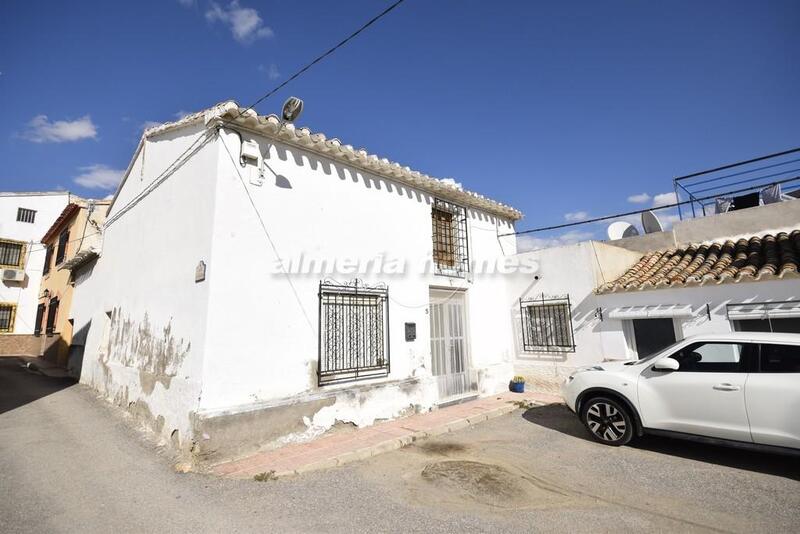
518 387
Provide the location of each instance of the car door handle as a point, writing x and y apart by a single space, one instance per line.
726 387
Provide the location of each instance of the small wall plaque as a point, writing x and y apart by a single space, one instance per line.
200 272
411 331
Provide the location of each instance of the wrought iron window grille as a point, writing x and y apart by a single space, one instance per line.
12 254
353 332
547 324
450 240
7 313
25 215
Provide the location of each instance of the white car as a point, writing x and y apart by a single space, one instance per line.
740 388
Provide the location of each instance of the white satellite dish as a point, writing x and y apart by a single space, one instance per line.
650 223
621 229
292 109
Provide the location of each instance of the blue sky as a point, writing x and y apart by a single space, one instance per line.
562 109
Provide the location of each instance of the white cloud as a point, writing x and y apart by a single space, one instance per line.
530 242
244 22
664 199
41 130
639 199
272 71
150 124
576 216
451 182
181 114
99 176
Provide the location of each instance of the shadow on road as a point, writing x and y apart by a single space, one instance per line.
559 418
20 386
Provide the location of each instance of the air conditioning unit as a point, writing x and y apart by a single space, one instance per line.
13 275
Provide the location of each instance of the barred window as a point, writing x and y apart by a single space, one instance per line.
11 253
547 325
7 313
26 215
63 239
353 332
450 247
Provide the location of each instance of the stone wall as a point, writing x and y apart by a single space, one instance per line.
20 345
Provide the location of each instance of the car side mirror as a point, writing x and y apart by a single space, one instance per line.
666 364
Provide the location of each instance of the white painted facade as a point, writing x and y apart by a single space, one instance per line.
601 331
48 207
244 339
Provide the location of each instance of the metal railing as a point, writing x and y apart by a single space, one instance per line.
450 243
746 179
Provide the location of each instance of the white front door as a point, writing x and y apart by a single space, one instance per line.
449 346
705 396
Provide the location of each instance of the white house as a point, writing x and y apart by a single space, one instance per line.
24 219
259 282
597 301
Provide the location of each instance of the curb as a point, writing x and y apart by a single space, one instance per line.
394 443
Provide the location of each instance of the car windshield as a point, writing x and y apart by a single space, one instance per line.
659 353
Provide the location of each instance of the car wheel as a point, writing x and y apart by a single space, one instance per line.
607 420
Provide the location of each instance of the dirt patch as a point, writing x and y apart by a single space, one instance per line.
489 485
441 448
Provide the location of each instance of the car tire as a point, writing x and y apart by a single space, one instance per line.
607 420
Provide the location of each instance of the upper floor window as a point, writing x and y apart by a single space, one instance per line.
12 254
48 259
26 215
62 246
450 247
7 312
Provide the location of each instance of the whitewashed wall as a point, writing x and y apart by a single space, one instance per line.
145 314
578 269
48 207
263 327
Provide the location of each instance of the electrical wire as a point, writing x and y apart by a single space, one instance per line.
322 56
637 212
269 238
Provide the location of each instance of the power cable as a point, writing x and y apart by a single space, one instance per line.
322 56
269 238
636 212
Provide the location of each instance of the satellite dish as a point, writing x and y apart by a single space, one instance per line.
292 109
650 223
621 229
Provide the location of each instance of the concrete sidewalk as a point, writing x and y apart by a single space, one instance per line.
344 447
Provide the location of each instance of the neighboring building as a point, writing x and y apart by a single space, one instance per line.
24 218
226 309
625 299
73 241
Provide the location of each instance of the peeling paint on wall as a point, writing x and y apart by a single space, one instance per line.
155 352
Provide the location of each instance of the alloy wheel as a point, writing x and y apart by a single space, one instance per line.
606 421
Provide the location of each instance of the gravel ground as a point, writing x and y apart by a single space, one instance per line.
69 462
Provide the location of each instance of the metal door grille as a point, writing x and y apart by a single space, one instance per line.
353 332
547 325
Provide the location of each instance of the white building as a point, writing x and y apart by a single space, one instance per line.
24 219
631 297
271 282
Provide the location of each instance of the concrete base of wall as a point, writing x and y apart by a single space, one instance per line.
242 431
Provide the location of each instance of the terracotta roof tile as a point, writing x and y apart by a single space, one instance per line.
757 258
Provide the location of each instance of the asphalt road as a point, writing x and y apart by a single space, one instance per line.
70 463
